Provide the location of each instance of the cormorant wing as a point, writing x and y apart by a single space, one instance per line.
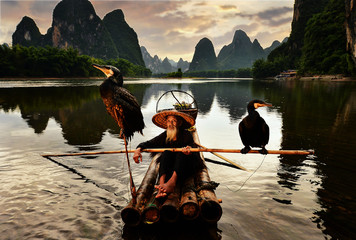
265 132
130 112
244 135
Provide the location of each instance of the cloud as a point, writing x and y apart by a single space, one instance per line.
271 17
228 7
274 12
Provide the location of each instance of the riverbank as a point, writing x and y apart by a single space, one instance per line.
333 78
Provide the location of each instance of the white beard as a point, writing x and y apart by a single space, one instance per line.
171 134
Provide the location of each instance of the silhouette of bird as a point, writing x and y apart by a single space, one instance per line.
123 107
120 103
254 132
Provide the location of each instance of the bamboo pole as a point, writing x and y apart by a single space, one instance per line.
159 150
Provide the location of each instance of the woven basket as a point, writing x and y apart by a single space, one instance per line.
181 107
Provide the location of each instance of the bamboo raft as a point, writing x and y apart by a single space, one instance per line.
194 199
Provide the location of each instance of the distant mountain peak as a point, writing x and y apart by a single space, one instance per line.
27 33
204 57
240 36
119 15
241 52
124 37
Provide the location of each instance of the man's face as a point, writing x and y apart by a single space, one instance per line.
172 128
172 122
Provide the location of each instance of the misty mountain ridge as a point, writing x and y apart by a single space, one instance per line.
156 65
241 53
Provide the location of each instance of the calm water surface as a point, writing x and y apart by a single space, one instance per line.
282 197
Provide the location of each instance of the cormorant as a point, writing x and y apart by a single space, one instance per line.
254 131
120 103
123 107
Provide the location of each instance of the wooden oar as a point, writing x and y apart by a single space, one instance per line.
224 158
158 150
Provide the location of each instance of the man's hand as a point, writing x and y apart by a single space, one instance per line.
186 150
137 155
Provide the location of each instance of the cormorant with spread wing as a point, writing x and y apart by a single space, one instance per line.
119 102
123 107
254 131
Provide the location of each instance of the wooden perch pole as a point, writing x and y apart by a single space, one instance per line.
158 150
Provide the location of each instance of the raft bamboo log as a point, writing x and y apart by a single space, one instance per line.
151 213
189 207
131 214
210 209
169 210
159 150
227 160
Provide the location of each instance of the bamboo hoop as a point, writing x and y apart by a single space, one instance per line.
159 150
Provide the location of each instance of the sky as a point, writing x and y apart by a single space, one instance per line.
171 28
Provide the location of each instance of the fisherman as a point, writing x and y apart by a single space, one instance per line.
175 167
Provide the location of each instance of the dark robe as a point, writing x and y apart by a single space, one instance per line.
184 165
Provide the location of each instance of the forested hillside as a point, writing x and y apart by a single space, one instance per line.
317 44
20 61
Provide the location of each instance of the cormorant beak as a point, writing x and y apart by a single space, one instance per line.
257 105
105 69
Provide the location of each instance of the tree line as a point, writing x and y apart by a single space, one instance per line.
240 73
232 73
20 61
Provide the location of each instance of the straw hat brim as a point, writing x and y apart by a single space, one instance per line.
160 118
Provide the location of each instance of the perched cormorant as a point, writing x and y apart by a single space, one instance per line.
120 103
254 131
123 107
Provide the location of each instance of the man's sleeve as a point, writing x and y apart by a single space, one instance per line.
155 142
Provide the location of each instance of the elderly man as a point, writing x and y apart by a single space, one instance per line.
174 166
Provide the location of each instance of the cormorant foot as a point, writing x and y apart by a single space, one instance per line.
263 151
245 150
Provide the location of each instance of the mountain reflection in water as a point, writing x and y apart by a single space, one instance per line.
289 197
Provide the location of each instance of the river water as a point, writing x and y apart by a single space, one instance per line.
281 197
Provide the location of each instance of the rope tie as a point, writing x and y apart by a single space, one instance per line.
204 186
191 129
207 186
